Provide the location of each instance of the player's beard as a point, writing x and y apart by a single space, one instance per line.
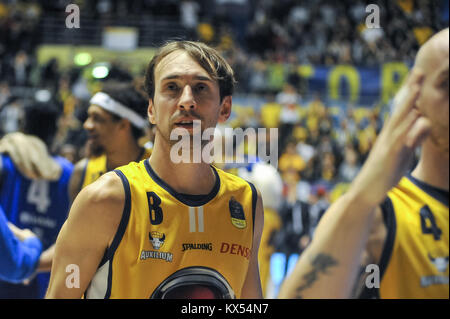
94 149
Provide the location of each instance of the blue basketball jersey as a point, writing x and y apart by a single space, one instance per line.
39 205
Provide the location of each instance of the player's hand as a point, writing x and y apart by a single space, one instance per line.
21 234
393 150
30 156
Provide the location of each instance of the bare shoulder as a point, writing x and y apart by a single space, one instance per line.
99 206
104 195
107 190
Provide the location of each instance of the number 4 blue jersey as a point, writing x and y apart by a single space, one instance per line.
39 205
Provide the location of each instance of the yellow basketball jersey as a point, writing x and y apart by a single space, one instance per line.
96 167
414 263
162 232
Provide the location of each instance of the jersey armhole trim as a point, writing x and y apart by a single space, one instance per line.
254 200
390 222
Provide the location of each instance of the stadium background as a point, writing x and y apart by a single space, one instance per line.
312 69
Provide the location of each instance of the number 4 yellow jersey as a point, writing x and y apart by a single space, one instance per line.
164 234
414 263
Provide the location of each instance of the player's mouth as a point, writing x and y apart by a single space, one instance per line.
186 123
91 137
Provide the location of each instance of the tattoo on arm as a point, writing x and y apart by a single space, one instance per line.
321 263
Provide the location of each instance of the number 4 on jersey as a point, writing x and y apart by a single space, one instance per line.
429 223
39 195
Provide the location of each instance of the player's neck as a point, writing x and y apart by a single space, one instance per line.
185 178
432 168
126 153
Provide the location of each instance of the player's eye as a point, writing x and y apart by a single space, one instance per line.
201 87
95 118
172 86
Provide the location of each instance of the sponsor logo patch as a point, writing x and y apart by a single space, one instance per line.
237 213
157 240
146 254
235 249
196 246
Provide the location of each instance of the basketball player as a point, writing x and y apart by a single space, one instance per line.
116 121
404 234
39 204
157 229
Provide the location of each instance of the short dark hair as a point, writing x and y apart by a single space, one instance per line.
41 120
208 58
131 95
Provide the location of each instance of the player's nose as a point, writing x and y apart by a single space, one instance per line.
88 125
187 99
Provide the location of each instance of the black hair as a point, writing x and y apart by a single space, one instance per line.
41 120
131 95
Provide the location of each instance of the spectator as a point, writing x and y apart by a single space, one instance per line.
318 205
350 167
21 68
11 116
291 164
189 11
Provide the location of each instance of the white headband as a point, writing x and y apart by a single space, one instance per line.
105 101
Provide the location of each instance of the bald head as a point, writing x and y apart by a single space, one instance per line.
434 51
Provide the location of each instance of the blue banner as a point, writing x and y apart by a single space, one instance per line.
358 85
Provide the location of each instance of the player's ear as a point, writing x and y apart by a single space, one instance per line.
225 109
151 111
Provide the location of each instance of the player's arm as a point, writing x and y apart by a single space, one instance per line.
329 266
252 285
371 256
86 234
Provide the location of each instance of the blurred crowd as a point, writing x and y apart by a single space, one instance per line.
321 148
